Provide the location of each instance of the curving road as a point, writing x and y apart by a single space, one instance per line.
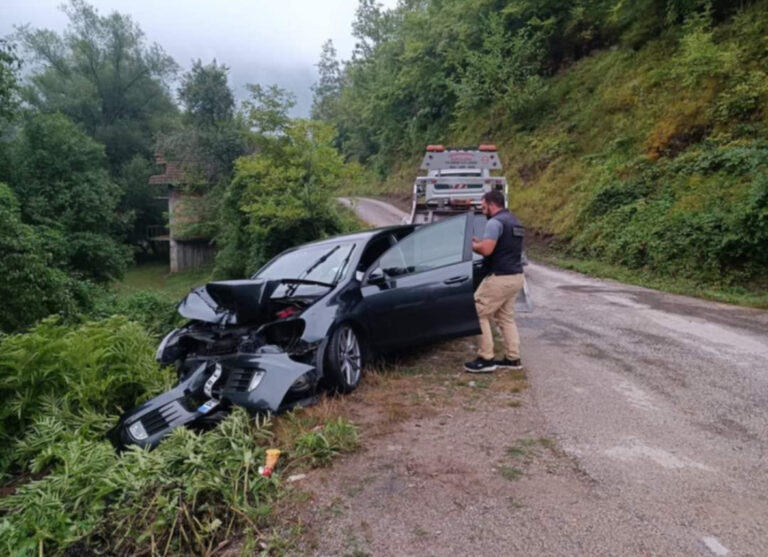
662 402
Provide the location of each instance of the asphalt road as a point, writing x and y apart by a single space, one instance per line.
660 400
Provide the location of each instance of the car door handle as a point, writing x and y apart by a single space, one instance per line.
456 280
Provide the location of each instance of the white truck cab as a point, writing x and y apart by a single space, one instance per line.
455 181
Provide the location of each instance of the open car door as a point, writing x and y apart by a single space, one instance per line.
421 289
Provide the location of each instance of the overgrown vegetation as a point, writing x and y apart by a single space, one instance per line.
63 387
283 196
78 138
632 132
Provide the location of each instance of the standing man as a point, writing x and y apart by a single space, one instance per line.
502 247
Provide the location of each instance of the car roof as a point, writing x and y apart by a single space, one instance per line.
363 235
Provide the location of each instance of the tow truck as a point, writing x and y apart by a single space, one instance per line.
455 181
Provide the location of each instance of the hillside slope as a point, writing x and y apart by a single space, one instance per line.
650 156
656 158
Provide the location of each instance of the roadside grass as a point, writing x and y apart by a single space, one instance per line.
416 384
510 473
523 454
157 278
353 222
755 297
526 449
194 494
423 382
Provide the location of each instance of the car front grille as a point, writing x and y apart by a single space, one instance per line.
239 380
158 420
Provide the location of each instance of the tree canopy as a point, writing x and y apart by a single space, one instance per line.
417 70
205 94
9 79
60 178
102 74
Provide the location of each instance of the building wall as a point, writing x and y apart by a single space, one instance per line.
191 254
186 254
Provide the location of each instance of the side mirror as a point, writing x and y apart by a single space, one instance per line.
377 277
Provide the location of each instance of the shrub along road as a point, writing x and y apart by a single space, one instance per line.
659 403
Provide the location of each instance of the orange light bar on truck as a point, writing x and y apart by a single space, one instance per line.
435 148
487 148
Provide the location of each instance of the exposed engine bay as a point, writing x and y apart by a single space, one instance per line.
243 345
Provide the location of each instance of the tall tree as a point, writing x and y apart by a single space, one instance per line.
9 80
211 137
267 111
205 94
59 176
327 90
102 74
370 27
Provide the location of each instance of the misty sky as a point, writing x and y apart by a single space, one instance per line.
261 41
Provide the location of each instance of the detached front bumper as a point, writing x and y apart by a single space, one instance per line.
257 382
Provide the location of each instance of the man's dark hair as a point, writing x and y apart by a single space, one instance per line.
495 197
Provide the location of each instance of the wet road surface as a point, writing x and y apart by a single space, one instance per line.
661 401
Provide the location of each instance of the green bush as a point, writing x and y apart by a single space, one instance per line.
101 367
30 285
185 496
318 448
156 313
281 197
742 98
528 104
63 386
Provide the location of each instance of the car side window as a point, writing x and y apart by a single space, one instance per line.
478 231
373 251
430 247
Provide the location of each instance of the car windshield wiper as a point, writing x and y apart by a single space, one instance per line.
319 261
303 281
343 266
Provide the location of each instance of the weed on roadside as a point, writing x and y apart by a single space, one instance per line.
510 473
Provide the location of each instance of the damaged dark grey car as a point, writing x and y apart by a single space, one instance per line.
309 319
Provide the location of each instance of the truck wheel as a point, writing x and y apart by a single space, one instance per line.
344 360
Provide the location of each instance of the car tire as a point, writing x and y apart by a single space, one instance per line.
344 359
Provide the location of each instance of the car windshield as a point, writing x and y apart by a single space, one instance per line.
324 263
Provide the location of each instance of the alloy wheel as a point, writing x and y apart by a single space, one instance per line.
350 357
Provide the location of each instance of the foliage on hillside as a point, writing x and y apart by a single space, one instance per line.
631 131
656 159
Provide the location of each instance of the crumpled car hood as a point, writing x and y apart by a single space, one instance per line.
230 302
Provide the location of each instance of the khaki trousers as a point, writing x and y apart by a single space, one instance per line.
495 301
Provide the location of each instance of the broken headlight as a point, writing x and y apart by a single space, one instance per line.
168 351
137 431
255 380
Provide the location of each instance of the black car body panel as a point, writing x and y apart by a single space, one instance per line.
243 381
396 287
